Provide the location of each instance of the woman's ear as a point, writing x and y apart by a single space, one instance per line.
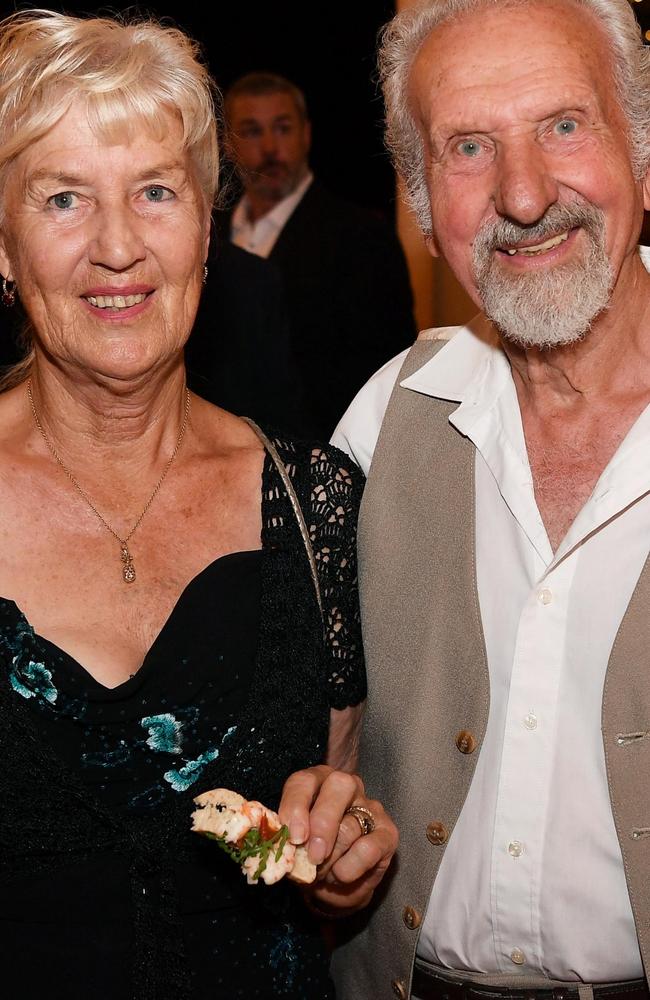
6 269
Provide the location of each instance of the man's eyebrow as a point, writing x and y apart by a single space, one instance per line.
449 129
245 122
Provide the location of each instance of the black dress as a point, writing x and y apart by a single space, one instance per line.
104 891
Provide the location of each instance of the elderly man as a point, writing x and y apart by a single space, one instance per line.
346 285
505 531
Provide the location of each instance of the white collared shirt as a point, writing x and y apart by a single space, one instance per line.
260 237
532 879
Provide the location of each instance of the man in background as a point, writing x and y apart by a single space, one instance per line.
345 280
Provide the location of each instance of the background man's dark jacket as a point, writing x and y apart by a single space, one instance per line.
348 297
239 352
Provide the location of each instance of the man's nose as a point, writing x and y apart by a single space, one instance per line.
117 243
269 142
525 186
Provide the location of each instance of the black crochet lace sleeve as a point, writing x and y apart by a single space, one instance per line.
336 489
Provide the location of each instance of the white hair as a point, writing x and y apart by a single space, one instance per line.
403 36
532 309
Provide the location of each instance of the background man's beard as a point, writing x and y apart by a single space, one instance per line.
547 308
273 187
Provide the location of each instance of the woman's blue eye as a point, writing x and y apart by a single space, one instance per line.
566 127
469 148
64 199
157 193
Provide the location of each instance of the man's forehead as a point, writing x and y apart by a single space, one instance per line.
552 45
263 106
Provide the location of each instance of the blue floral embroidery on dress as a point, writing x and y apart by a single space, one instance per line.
164 732
185 776
32 680
283 956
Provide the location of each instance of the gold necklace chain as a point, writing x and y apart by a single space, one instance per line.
128 569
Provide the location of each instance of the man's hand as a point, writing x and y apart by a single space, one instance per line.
314 806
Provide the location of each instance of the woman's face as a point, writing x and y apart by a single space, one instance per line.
106 243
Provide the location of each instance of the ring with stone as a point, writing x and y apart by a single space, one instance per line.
364 818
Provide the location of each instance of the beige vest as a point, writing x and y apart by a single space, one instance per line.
428 697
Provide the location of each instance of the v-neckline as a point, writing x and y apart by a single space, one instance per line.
125 688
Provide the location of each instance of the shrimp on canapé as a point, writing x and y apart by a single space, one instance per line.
229 817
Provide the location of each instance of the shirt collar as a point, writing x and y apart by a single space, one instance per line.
471 369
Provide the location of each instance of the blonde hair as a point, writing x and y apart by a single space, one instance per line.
125 70
404 35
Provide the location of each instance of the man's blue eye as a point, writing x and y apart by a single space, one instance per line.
566 127
64 199
469 148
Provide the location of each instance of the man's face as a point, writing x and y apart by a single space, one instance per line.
270 141
528 166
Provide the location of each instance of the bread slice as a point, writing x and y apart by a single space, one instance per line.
303 871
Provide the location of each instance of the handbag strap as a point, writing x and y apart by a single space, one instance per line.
297 509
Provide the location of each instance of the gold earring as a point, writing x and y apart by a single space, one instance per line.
8 292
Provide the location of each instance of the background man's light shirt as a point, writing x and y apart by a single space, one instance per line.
260 237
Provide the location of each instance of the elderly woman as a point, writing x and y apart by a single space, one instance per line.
167 623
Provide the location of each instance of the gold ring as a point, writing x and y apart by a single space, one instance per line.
364 818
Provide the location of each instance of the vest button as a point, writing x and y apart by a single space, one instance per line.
399 989
466 741
411 917
437 833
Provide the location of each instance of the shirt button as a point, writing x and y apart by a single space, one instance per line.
545 596
515 849
399 989
437 833
517 956
466 741
530 721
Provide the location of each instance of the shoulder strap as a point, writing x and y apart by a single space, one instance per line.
295 503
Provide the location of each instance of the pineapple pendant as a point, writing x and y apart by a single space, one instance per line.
128 569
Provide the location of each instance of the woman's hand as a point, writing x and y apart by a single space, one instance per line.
350 865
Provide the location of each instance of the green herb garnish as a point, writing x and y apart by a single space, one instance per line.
254 845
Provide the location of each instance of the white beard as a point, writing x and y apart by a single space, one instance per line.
548 308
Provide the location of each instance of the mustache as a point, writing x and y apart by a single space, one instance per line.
270 164
557 219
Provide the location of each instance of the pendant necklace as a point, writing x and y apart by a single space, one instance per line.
128 568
